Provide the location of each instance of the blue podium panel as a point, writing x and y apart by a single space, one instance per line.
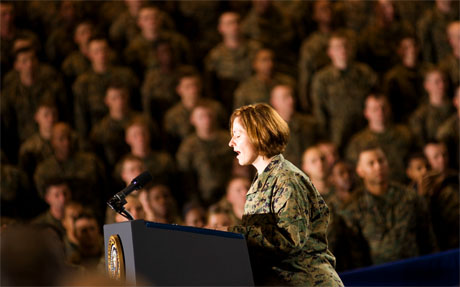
163 254
439 269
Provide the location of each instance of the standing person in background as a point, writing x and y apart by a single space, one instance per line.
303 128
285 218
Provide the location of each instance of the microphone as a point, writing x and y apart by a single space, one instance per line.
137 183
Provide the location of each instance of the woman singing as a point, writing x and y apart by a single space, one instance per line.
285 218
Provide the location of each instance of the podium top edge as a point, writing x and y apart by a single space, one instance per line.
194 230
189 229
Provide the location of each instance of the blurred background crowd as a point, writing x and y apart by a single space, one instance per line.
95 92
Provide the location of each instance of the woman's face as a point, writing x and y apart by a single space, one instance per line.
246 152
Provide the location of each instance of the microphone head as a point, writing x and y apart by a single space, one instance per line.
142 179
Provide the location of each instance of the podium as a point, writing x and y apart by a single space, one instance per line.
148 253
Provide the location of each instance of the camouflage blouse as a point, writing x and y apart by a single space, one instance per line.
285 222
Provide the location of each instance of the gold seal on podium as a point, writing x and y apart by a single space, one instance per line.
115 260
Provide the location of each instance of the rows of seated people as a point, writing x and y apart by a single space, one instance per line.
95 92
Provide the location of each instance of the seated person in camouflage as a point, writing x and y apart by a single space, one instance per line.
395 140
313 51
329 149
71 211
416 169
134 207
437 156
378 42
139 53
343 182
440 187
218 217
77 62
285 218
159 163
394 220
339 91
257 88
404 82
428 116
229 63
124 27
59 37
9 33
448 132
431 30
194 214
315 166
107 136
90 241
159 87
83 171
38 147
176 122
303 128
266 23
162 205
90 87
16 197
33 83
203 157
450 65
235 197
56 194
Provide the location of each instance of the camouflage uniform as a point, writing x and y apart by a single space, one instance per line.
177 120
338 99
254 91
377 46
426 119
84 173
47 219
59 44
227 206
431 30
140 53
412 11
159 93
209 161
448 132
161 166
313 57
33 151
450 65
16 198
396 142
20 102
108 138
6 49
285 221
124 28
74 65
442 195
89 92
396 225
354 15
201 19
226 67
304 133
404 88
273 30
346 246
